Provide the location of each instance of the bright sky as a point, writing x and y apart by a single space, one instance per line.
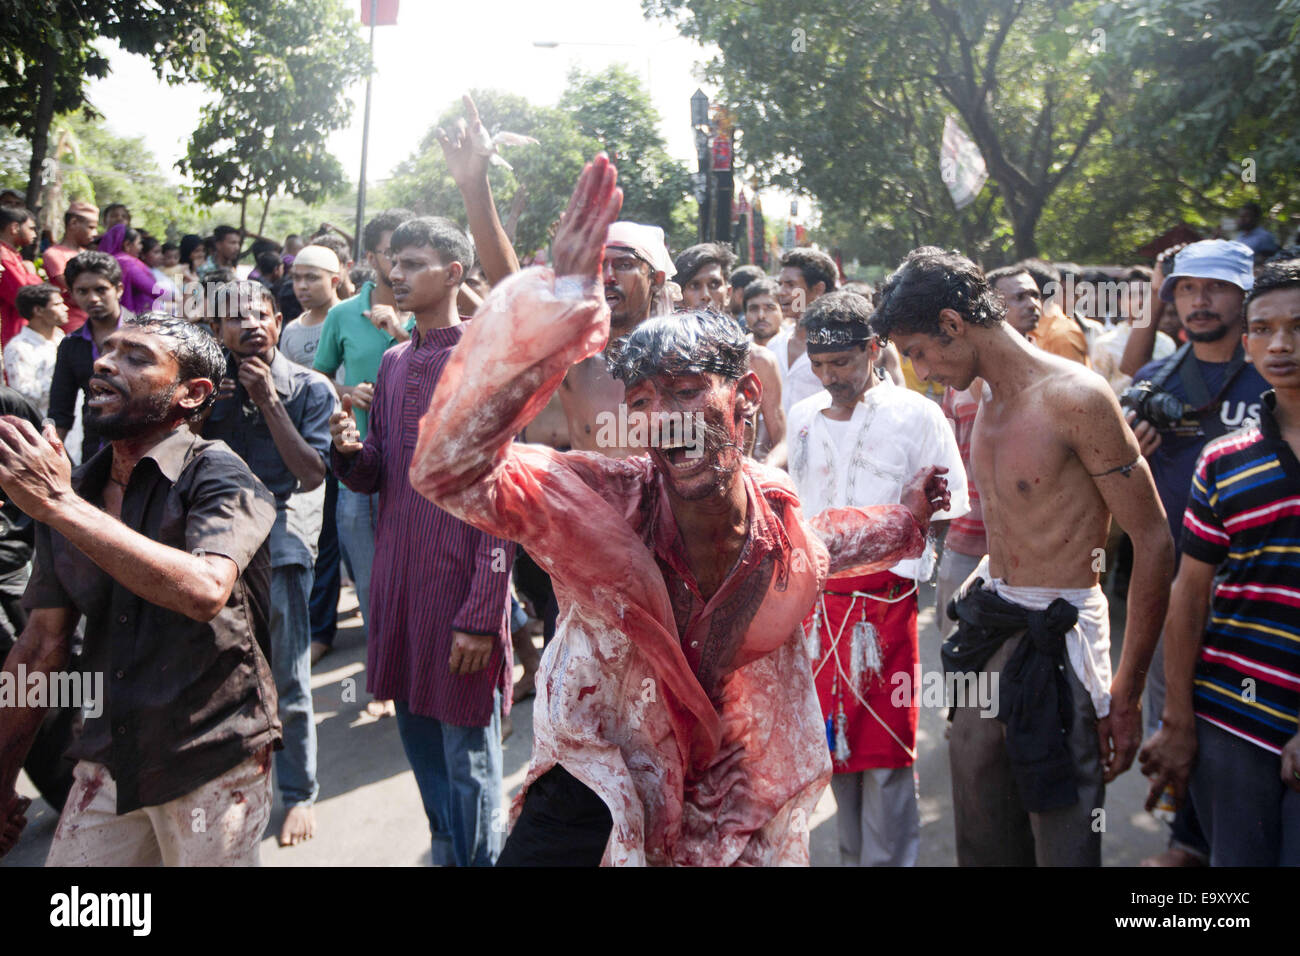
434 54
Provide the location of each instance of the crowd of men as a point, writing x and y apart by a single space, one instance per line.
722 496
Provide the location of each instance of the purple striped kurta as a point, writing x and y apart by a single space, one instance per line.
432 573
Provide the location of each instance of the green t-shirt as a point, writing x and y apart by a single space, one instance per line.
350 339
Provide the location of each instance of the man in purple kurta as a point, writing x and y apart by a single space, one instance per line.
439 594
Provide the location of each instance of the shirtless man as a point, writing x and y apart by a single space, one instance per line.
1053 460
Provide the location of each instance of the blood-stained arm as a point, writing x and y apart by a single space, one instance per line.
514 355
864 540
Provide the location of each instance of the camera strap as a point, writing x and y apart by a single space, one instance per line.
1198 394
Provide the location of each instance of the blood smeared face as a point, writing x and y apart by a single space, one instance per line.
697 443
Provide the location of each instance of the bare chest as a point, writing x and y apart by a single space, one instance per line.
591 398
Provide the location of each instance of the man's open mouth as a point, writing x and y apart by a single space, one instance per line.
101 394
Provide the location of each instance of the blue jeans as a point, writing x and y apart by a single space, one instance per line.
1249 815
357 516
458 771
295 765
325 585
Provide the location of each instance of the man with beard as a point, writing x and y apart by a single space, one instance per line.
160 542
1054 462
275 415
676 721
356 334
95 279
854 444
439 643
1218 391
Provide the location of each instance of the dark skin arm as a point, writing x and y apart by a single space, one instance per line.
470 170
300 458
35 475
42 648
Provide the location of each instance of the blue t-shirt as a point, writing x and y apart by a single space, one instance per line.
1174 462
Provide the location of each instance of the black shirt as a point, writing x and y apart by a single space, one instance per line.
186 700
73 366
16 529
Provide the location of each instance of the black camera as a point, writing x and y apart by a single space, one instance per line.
1153 405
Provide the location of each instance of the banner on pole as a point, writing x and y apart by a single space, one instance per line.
961 165
385 13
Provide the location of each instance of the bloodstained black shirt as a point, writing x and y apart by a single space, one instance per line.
186 700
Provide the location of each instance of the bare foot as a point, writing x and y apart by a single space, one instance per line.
525 687
299 825
1174 856
318 650
381 708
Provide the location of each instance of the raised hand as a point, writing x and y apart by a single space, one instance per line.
35 472
462 147
579 242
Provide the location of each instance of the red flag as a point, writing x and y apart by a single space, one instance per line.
385 12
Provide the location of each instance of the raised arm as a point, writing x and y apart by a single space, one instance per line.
519 347
469 167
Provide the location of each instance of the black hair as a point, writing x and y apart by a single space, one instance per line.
33 297
100 263
197 353
441 235
1041 272
1007 272
815 267
763 286
189 243
69 216
691 260
222 231
292 235
1283 274
928 281
386 221
742 276
147 244
115 205
838 321
169 246
14 214
685 342
260 246
268 262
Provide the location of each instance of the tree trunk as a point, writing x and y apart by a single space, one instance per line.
41 128
266 207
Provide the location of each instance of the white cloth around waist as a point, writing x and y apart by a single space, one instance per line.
1087 644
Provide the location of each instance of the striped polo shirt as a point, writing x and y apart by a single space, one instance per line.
1244 516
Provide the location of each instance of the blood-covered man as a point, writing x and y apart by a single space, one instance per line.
676 720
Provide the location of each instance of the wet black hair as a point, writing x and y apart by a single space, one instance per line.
1284 274
838 321
929 281
684 343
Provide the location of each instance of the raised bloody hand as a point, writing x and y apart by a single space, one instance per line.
35 473
579 242
925 493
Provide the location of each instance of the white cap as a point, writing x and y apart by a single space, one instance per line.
646 241
322 257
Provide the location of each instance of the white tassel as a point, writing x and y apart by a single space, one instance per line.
864 653
812 640
842 751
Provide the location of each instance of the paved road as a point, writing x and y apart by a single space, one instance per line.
369 811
